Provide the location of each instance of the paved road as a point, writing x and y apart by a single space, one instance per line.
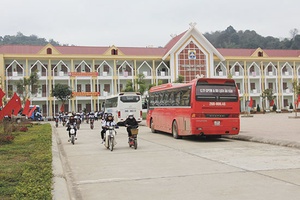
165 168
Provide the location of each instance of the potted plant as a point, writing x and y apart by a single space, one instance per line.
258 108
274 108
291 108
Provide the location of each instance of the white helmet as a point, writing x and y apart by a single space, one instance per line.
130 116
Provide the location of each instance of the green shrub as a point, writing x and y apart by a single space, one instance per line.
274 108
258 108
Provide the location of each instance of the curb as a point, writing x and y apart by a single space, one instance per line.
60 187
264 140
257 139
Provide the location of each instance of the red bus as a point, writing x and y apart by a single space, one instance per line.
204 107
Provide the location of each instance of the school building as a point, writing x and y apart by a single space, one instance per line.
96 72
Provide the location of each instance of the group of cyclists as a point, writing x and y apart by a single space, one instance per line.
73 119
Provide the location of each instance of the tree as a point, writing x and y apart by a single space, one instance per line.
274 108
28 87
258 108
293 33
180 79
141 83
129 86
62 92
267 93
296 91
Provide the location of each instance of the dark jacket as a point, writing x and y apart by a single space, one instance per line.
131 122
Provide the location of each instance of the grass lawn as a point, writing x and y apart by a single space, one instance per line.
26 164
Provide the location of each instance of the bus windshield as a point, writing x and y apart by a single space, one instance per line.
111 102
215 92
130 99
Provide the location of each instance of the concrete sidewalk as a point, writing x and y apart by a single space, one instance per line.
281 129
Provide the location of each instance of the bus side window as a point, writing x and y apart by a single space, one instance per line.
172 100
177 99
151 100
188 98
167 100
156 101
161 99
185 98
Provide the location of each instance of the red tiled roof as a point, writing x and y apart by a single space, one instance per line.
173 41
236 52
282 53
269 52
19 49
83 50
140 51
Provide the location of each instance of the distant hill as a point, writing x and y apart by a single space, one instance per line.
229 38
21 39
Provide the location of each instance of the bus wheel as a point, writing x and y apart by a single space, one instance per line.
175 130
152 126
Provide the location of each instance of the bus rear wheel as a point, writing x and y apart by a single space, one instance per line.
152 126
175 130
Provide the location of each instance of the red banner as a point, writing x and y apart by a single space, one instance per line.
2 94
12 107
272 102
83 73
62 108
74 94
31 111
251 102
26 107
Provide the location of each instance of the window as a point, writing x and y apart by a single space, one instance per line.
97 89
161 99
130 99
44 90
177 98
236 68
79 107
218 93
106 68
107 88
269 68
114 52
238 85
49 51
78 87
270 85
167 99
185 97
284 85
113 102
88 87
285 102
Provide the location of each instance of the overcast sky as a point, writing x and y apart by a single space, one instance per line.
143 22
